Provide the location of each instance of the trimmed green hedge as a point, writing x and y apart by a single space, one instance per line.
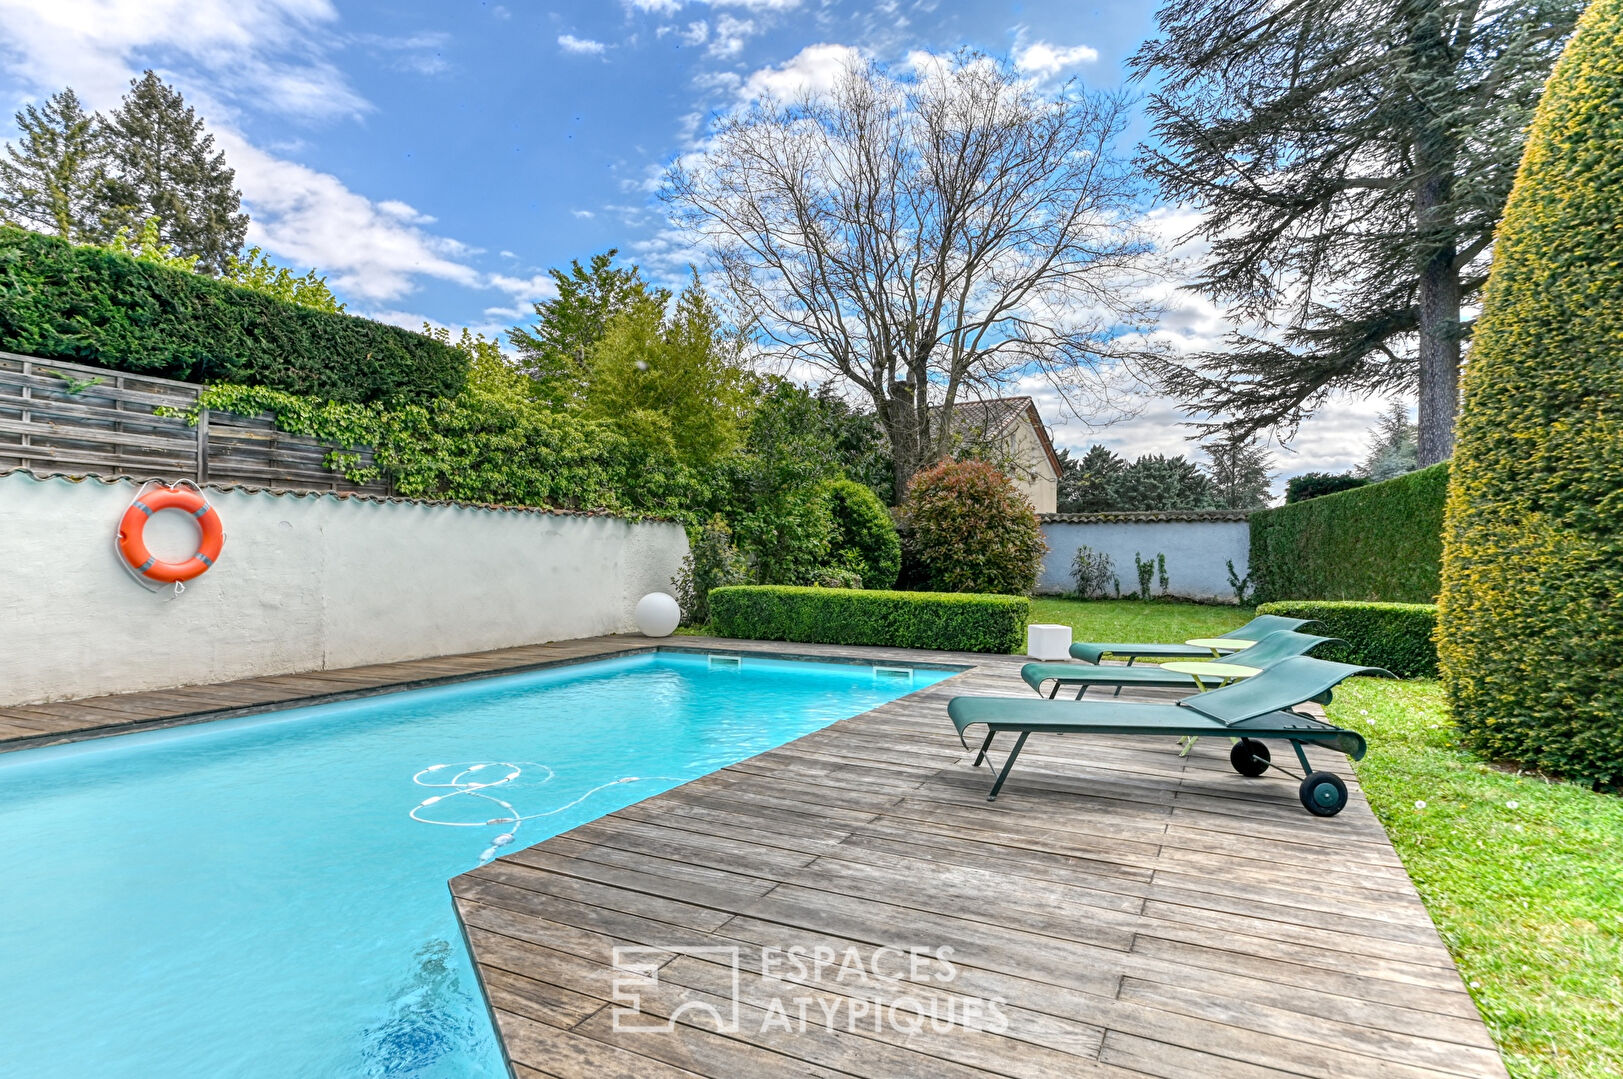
90 305
1397 636
1381 542
1532 626
954 622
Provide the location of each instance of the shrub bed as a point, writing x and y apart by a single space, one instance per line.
957 622
1379 542
95 306
1397 636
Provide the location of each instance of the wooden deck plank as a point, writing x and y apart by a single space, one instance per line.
1113 887
1131 912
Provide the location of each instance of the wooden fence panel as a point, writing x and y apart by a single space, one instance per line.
64 417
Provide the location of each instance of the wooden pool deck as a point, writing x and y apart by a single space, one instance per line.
1119 911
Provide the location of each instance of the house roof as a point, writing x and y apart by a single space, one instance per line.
995 416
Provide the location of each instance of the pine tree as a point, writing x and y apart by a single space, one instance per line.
1158 482
557 350
1240 475
52 179
1089 484
1393 448
165 166
1351 159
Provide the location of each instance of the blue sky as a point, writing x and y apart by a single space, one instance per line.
434 158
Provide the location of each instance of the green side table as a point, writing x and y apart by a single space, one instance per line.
1209 674
1220 645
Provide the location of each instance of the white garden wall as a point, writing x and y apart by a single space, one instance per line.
305 582
1197 545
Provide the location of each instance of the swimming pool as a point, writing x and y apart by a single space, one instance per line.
267 896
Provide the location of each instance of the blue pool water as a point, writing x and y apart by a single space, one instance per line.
255 897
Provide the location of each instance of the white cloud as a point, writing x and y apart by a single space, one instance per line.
1041 59
265 52
730 36
811 71
523 292
421 52
370 250
697 33
535 287
404 211
406 320
228 56
671 7
583 46
585 214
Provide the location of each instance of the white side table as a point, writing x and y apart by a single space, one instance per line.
1045 640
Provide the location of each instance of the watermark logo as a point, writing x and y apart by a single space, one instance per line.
793 989
637 973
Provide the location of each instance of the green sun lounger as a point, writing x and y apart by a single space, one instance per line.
1254 630
1254 711
1278 645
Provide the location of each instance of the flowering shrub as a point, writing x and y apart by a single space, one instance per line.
971 531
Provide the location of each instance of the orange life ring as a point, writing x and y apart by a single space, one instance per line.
132 529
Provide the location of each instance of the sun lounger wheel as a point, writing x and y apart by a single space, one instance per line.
1249 757
1323 794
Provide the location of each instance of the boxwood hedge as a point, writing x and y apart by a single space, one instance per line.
956 622
1532 603
1397 636
91 305
1380 542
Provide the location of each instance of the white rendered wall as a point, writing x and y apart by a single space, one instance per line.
305 582
1197 554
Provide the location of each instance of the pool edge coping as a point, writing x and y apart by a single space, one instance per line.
633 647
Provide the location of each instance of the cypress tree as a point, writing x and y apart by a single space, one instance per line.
165 166
1531 619
52 178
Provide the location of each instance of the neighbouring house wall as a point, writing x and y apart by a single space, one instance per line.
305 582
1035 478
1197 545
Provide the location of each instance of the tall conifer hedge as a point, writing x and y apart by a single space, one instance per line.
61 301
1531 620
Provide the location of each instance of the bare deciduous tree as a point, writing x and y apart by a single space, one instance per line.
927 237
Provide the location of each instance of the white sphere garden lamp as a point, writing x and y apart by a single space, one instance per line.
658 615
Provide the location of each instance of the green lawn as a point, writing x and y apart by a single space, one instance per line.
1121 619
1523 877
1126 620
